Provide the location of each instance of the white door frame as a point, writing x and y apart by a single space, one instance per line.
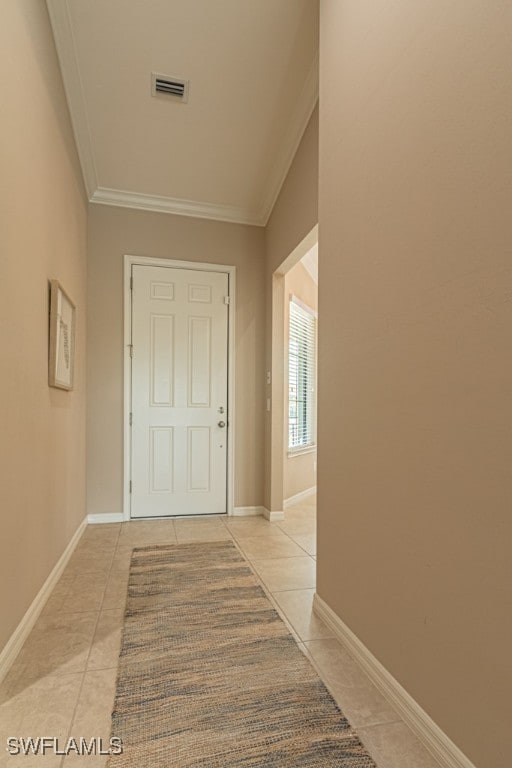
278 417
147 261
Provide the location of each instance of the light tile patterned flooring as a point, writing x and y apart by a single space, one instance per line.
62 683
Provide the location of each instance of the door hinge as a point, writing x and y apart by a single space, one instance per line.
131 282
227 299
131 419
130 486
130 346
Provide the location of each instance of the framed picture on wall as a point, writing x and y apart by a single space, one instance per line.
62 338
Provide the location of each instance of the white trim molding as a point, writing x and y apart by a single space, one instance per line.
66 50
273 516
22 631
148 261
300 451
105 517
300 250
247 511
428 732
298 497
124 199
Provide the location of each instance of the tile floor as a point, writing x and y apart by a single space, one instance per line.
62 683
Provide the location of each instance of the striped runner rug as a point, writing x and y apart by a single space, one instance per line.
210 677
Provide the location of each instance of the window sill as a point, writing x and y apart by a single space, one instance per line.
301 451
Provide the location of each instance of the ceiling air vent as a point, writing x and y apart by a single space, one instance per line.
170 87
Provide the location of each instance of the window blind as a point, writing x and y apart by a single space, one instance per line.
301 377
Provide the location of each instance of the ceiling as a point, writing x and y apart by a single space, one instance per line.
253 72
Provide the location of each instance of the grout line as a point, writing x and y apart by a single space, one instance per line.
303 549
73 714
118 535
102 669
69 734
382 724
269 595
275 557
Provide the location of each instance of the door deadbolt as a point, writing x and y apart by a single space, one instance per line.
222 423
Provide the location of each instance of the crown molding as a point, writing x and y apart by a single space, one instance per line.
142 202
291 140
66 51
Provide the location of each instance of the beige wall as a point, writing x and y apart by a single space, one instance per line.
295 212
293 217
299 470
42 236
415 428
114 232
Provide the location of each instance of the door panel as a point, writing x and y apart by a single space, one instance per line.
161 363
161 459
199 355
179 392
199 440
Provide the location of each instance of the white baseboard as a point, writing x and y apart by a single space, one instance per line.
105 517
22 631
299 497
247 511
117 517
428 732
272 516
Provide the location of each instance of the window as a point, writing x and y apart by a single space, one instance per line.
301 377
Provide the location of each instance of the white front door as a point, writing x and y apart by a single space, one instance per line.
179 392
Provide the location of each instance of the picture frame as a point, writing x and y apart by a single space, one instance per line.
61 352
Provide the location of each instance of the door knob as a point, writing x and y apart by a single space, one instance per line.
222 423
